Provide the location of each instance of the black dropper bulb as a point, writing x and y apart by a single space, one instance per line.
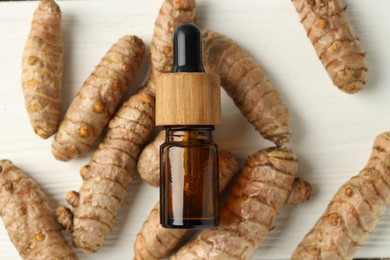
187 49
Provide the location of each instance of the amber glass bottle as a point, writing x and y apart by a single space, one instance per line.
189 185
188 106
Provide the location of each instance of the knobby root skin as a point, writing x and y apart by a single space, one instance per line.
148 165
98 98
42 66
64 217
262 188
107 176
172 13
247 84
354 210
335 42
301 192
155 242
27 217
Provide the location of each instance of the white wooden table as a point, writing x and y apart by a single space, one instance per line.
332 132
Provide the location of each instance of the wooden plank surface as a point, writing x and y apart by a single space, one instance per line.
332 132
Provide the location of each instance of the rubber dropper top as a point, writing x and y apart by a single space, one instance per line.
188 95
187 49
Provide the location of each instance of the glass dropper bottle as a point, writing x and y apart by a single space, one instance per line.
188 105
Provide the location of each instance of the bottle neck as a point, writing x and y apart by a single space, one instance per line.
201 134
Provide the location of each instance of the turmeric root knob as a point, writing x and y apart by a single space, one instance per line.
71 149
321 23
39 237
314 251
334 219
32 60
99 107
32 83
73 198
348 191
34 108
115 85
64 217
84 171
301 192
8 186
335 47
125 68
85 130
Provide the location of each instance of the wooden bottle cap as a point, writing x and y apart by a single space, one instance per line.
188 98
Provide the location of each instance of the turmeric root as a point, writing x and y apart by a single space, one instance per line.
263 187
248 86
42 69
65 218
148 164
172 13
108 174
155 242
353 211
98 98
300 192
335 42
27 217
